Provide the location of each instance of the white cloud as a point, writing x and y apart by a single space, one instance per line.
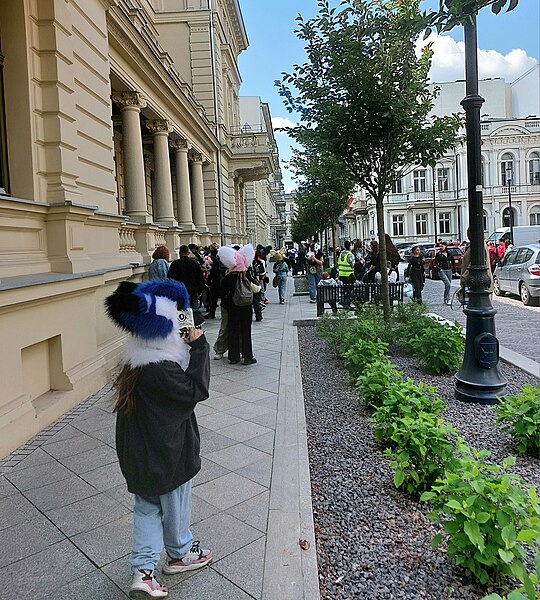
448 63
281 122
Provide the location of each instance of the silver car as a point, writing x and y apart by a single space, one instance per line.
519 273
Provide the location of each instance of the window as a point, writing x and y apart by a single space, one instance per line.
396 187
509 258
442 180
484 220
444 223
291 207
523 256
397 224
534 168
506 216
482 173
3 146
507 164
419 179
534 216
421 224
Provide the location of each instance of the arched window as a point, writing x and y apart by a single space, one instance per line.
534 168
507 169
506 216
534 216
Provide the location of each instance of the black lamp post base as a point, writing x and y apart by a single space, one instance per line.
471 392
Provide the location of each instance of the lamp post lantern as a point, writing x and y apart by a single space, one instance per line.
510 213
479 379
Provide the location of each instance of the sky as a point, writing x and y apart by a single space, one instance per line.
508 43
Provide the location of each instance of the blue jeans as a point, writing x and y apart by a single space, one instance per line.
282 287
446 277
159 520
313 280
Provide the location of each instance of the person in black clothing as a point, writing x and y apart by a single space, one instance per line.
213 282
188 271
258 271
446 266
165 374
415 272
239 317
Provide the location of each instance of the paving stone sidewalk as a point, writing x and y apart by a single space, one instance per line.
65 513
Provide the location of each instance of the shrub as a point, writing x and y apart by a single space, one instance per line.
406 312
375 380
334 329
410 329
488 514
423 451
363 353
530 590
404 399
440 346
521 417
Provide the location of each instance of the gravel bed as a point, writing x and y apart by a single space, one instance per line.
373 541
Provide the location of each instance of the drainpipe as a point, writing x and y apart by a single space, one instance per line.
218 129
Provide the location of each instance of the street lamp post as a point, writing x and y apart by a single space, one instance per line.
511 214
479 379
434 206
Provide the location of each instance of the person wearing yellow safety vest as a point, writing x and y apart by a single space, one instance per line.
346 264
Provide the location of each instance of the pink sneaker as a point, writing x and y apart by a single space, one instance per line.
196 558
145 586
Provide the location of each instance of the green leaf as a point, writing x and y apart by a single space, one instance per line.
436 541
506 555
527 535
399 477
474 534
454 504
482 517
508 534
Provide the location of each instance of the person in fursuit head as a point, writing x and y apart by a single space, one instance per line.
236 293
165 374
281 269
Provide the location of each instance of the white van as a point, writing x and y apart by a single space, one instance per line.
523 235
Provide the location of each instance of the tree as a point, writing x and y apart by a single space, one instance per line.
324 188
456 12
363 96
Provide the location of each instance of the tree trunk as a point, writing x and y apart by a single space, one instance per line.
382 259
334 244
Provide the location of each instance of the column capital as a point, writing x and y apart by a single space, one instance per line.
159 126
196 157
180 144
129 99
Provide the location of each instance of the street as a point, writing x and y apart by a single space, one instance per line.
517 326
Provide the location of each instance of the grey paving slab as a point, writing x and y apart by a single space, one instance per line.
59 563
212 441
268 420
236 457
209 470
65 433
225 403
247 412
252 395
74 445
6 488
245 430
265 443
245 567
88 461
228 490
94 585
209 585
225 534
16 509
219 420
254 511
120 494
105 477
201 510
232 387
87 514
60 493
27 538
38 457
38 476
260 471
106 543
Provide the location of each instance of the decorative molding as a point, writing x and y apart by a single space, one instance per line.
196 157
159 126
180 144
129 99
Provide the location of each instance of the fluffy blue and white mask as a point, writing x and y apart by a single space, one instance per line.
149 312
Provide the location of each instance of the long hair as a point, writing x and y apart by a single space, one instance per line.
125 386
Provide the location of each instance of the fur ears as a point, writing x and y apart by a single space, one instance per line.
148 310
238 260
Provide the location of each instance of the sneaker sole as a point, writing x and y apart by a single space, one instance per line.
193 567
141 595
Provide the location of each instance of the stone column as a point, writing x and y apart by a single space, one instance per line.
197 192
183 192
131 104
163 197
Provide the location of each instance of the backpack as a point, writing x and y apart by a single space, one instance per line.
243 296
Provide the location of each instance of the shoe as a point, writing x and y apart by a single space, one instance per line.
209 316
282 301
196 558
250 361
234 362
218 356
267 301
263 306
258 320
145 586
312 301
447 302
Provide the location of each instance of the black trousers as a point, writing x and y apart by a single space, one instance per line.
240 332
418 285
257 308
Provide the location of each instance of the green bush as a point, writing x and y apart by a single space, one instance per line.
334 329
363 353
404 399
406 312
375 380
440 347
410 329
530 590
488 514
521 417
422 451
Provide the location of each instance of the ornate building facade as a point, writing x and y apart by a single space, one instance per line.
119 132
431 202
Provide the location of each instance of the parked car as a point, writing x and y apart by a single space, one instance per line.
519 273
431 270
